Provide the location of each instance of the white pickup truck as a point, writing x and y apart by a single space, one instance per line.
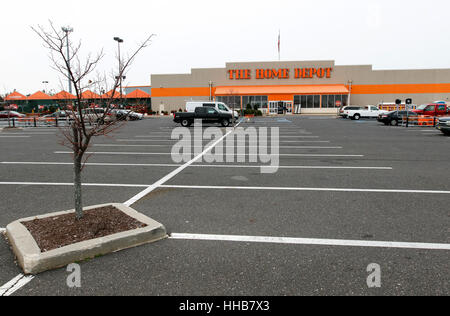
369 111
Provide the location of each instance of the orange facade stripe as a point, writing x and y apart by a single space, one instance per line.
282 90
181 92
401 88
281 97
356 89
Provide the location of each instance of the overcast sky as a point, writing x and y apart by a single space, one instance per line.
393 34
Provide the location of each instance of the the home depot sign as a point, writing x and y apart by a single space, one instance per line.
284 73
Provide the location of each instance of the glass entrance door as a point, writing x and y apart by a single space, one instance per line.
280 107
289 105
273 107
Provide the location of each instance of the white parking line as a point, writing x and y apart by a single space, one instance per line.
15 136
21 133
171 140
287 147
313 241
300 141
163 180
147 140
193 165
71 184
282 132
169 154
297 136
15 284
106 164
162 139
303 189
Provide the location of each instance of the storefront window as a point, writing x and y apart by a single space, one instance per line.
264 102
317 101
309 101
331 102
337 98
313 101
230 101
260 101
324 101
345 100
303 100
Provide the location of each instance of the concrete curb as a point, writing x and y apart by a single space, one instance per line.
33 261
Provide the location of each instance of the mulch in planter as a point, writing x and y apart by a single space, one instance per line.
59 231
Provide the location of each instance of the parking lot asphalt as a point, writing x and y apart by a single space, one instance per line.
338 180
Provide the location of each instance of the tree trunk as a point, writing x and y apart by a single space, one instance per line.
77 191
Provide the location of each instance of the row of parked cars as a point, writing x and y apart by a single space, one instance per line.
98 113
438 109
92 115
11 114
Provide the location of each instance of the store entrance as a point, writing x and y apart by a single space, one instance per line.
280 107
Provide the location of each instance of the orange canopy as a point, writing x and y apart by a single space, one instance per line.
40 96
282 90
15 96
109 94
63 95
138 94
88 94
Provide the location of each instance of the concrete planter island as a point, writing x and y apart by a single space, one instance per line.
33 261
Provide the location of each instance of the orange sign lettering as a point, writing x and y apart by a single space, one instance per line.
283 73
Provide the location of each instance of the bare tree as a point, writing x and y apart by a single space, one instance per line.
84 123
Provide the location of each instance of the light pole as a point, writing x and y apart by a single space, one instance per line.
210 90
119 41
46 86
350 85
67 30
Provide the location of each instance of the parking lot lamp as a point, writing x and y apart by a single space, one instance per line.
350 83
67 30
210 90
119 41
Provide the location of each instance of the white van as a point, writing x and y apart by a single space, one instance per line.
368 111
219 106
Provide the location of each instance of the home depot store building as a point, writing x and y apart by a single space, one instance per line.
299 87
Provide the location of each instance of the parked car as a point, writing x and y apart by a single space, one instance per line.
11 114
369 111
219 106
444 125
94 115
59 115
126 115
433 109
206 114
395 118
342 112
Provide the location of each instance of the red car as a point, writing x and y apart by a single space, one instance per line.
11 114
433 109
